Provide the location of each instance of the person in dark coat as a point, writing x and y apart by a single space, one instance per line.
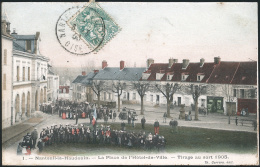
34 137
28 140
40 145
143 122
164 117
77 118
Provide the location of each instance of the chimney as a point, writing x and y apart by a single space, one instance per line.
4 27
149 62
83 73
35 43
14 32
104 64
122 65
217 60
8 31
171 61
202 62
185 63
96 71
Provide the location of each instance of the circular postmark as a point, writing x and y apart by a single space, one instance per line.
80 32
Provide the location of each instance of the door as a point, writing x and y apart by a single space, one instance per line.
231 108
179 101
157 99
127 96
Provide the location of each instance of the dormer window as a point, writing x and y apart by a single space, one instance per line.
200 76
145 76
184 77
169 76
28 45
159 76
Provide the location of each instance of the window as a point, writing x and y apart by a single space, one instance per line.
29 74
23 73
134 96
242 93
109 96
169 77
198 78
60 90
151 98
64 90
28 45
159 76
252 93
105 96
5 57
4 82
234 92
17 73
124 95
145 76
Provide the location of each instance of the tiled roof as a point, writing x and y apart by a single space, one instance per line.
16 46
88 79
25 37
223 72
114 73
79 78
246 74
192 70
157 68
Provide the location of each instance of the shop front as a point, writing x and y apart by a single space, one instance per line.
215 104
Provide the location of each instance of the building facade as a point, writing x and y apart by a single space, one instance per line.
7 53
229 85
29 75
52 85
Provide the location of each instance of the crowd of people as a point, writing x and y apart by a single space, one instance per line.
90 135
67 109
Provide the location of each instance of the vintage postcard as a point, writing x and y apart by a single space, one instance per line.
129 83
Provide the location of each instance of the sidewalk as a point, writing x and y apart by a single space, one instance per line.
18 130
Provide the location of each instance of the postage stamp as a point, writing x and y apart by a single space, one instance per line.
90 24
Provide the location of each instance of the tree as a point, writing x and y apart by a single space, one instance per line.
98 87
196 91
118 88
168 91
141 88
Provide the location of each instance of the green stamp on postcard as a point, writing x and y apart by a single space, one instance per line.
94 26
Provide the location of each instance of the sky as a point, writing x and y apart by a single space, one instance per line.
149 30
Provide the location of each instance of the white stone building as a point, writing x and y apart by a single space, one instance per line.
29 75
7 52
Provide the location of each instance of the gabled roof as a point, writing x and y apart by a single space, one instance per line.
223 72
108 73
88 79
192 70
79 78
114 73
157 68
246 74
